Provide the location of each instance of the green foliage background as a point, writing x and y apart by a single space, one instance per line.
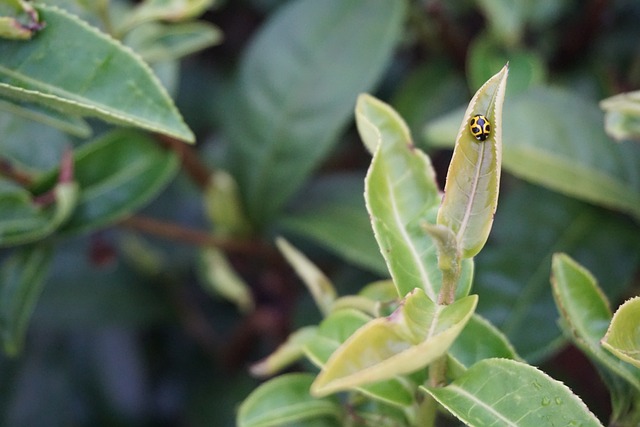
125 329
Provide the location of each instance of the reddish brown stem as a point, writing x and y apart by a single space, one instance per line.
191 163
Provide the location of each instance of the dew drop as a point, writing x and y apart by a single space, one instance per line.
537 385
545 401
558 401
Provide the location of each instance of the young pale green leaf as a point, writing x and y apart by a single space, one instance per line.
285 400
164 10
76 69
401 193
22 277
296 88
321 288
18 20
512 394
622 115
221 279
157 42
585 310
623 336
570 154
480 340
398 391
24 221
417 333
118 174
473 179
337 220
287 353
223 206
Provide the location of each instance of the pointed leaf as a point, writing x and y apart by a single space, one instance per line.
321 288
296 87
512 394
570 154
417 333
473 180
287 353
76 69
22 277
401 193
586 312
623 336
398 391
221 279
285 400
118 174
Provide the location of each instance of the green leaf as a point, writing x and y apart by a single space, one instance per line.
22 220
72 125
398 391
22 277
296 88
223 207
622 115
76 69
481 340
570 154
221 279
586 312
18 20
319 285
157 42
512 394
473 179
512 272
283 400
623 336
506 19
337 220
416 334
287 353
401 193
118 174
165 10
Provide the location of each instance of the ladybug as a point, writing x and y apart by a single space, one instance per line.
480 127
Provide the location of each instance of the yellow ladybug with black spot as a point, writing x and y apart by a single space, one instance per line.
480 127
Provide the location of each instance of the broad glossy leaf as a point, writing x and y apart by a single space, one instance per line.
22 277
319 285
623 336
480 340
287 353
118 174
78 70
585 310
337 220
401 193
23 220
417 333
398 391
473 179
512 272
512 394
296 88
570 154
285 399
